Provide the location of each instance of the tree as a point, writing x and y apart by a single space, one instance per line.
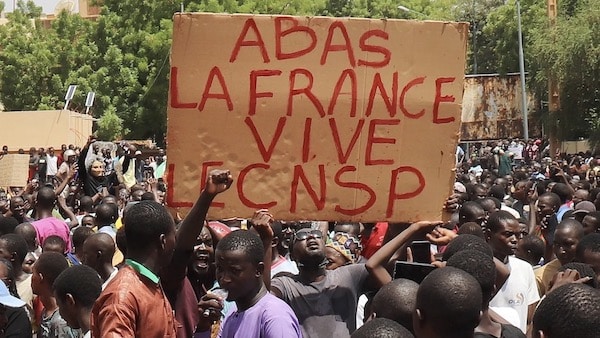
501 33
124 55
27 63
110 126
570 53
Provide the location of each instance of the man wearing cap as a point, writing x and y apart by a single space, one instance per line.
63 171
582 209
14 321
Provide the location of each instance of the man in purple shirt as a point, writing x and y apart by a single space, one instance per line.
257 313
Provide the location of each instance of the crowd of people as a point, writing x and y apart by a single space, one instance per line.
88 249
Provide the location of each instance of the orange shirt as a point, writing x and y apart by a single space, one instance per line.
133 305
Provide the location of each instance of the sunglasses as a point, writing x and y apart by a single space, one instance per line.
302 235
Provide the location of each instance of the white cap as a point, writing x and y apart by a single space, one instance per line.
7 299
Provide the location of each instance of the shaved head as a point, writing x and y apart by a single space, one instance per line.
98 249
28 232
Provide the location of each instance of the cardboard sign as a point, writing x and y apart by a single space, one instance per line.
317 118
14 170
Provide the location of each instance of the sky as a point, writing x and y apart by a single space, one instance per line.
47 5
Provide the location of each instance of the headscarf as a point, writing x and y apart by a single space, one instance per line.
347 245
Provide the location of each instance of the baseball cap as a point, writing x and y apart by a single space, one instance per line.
7 299
219 229
584 207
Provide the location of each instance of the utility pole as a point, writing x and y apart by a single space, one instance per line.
473 15
522 73
553 90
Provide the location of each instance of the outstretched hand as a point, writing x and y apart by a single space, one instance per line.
441 236
91 139
425 227
218 181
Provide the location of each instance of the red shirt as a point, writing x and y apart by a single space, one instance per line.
372 243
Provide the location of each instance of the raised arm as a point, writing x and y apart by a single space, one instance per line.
376 265
172 275
61 187
217 182
82 169
261 222
62 204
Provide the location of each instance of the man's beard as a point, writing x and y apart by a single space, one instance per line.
313 260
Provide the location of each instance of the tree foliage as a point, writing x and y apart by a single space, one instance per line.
569 52
123 56
110 126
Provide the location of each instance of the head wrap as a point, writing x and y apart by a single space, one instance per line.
347 245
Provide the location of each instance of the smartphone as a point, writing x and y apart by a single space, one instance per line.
421 251
413 271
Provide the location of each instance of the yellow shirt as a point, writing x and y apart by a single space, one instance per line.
545 274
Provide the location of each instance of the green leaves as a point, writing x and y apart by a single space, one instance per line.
569 52
110 126
124 55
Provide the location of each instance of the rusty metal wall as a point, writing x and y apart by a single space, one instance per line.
492 107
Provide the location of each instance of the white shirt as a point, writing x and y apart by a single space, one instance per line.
51 165
519 291
109 230
112 275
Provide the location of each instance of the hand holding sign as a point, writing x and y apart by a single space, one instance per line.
326 118
261 222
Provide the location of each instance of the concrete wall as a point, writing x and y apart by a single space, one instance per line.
44 128
574 147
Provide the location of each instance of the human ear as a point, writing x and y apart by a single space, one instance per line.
163 241
260 269
419 315
418 320
69 299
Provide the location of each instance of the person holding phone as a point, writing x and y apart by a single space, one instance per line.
93 177
325 301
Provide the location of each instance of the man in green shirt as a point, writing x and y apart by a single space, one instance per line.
133 304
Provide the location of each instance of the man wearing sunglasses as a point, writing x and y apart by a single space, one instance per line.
325 301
